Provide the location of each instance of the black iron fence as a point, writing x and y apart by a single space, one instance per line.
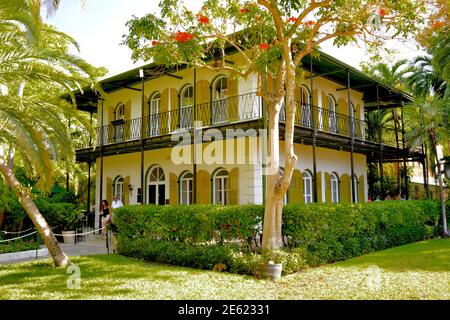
241 108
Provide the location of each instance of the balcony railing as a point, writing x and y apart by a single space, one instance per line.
326 121
241 108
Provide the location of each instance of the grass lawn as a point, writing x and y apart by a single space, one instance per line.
416 271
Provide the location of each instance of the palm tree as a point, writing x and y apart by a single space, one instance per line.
32 74
394 76
424 79
429 112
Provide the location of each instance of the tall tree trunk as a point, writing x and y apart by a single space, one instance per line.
441 185
59 257
272 238
444 214
277 182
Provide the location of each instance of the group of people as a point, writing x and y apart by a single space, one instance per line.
105 213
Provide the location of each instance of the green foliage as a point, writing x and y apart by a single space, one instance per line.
61 216
153 37
18 245
190 224
202 236
341 231
9 204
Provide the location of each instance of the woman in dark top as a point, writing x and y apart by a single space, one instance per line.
106 214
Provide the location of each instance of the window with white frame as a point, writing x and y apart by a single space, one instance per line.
119 113
156 186
186 104
307 187
220 99
306 108
155 107
334 188
118 187
186 188
332 111
220 186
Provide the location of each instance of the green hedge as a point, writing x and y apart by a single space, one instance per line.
201 236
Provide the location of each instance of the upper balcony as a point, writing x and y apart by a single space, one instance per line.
240 111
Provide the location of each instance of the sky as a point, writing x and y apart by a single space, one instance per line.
98 27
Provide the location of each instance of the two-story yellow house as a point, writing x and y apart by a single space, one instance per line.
148 109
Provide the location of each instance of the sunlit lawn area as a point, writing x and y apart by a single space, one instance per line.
415 271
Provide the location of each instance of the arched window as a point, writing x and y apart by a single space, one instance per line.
331 104
355 188
119 112
154 110
334 188
186 104
156 186
220 99
304 95
307 187
306 108
186 188
220 88
220 187
118 187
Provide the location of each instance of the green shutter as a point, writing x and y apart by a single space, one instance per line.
109 190
327 187
345 188
295 191
361 191
319 187
173 189
233 185
126 191
203 187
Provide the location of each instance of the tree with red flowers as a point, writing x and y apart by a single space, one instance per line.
272 36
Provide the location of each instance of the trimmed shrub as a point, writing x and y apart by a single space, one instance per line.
201 236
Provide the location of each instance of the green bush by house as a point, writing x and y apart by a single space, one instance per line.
202 236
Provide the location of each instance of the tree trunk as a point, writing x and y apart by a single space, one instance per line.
444 215
59 257
277 182
272 238
441 186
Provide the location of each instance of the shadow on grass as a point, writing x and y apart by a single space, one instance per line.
100 276
431 255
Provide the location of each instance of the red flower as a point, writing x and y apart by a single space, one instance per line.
264 46
309 23
382 12
437 24
203 19
183 37
292 19
244 10
155 43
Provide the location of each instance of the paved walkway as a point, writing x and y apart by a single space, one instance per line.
92 246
